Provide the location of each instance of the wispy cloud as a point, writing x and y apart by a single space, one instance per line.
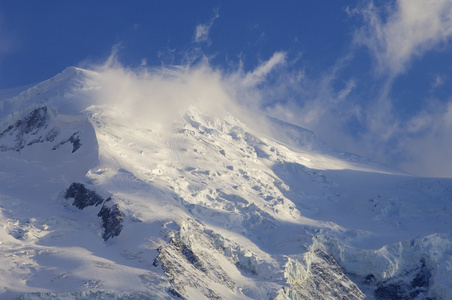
322 104
397 33
157 97
427 142
202 30
264 68
341 111
438 81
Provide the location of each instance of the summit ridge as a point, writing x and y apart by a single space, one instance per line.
98 200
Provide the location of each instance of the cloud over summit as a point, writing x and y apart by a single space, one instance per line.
157 97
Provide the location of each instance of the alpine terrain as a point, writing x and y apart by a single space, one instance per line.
103 197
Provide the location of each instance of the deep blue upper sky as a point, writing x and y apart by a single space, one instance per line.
374 77
43 38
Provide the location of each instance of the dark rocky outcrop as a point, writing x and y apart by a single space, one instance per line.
33 121
411 285
111 221
74 140
83 197
111 216
33 128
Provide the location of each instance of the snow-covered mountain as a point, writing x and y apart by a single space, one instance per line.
95 205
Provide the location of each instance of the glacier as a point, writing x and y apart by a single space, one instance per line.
102 201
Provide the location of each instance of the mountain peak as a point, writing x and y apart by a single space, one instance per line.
96 201
75 74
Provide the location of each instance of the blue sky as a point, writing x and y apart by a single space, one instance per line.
372 78
43 38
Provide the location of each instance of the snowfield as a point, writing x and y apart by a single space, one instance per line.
99 201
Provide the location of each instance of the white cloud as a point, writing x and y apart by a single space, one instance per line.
315 104
157 97
396 33
438 81
202 30
261 72
343 94
428 145
341 112
409 29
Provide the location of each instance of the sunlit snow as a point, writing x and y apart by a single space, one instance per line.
216 202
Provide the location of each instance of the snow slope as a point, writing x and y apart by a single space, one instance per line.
98 205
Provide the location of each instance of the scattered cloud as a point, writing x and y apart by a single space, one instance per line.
438 81
167 56
428 144
202 30
264 68
367 122
343 93
112 60
406 29
322 104
253 27
396 34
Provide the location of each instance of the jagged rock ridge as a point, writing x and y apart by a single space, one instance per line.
32 129
111 216
74 140
112 219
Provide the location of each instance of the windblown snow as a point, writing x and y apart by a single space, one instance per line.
111 190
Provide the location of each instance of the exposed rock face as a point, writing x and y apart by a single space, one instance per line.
316 275
414 284
74 140
83 197
111 221
180 262
194 268
111 216
92 294
331 276
33 128
319 276
405 270
33 122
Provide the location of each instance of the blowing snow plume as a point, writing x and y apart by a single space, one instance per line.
156 97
